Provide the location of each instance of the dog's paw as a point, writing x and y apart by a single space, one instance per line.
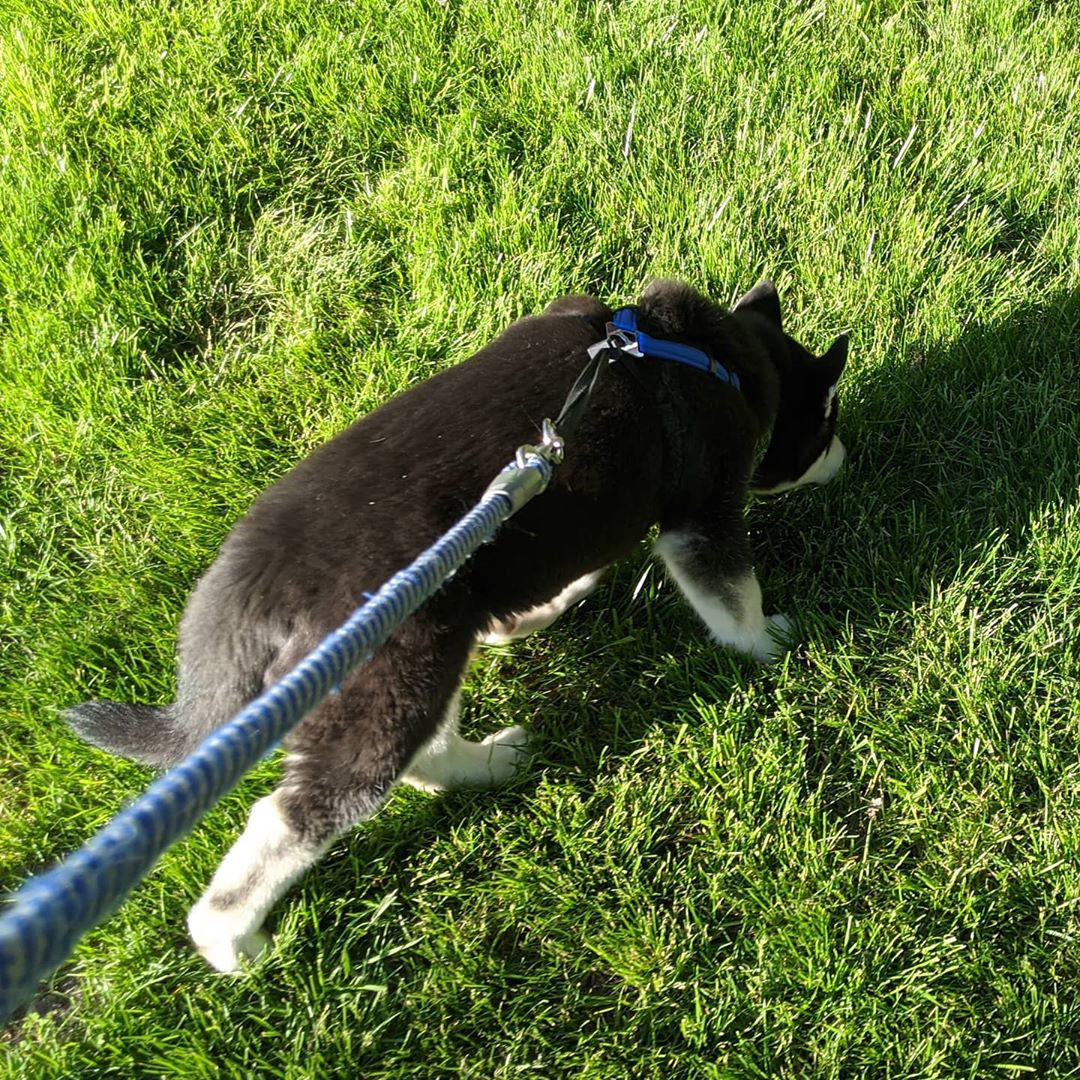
220 940
501 632
507 736
232 956
515 627
507 752
777 639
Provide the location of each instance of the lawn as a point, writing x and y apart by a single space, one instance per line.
228 229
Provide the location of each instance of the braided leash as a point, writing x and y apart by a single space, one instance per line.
45 919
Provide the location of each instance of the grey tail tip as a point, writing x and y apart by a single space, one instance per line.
144 733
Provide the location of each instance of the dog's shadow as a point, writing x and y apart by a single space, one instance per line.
956 452
953 449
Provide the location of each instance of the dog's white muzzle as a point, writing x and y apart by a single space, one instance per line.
826 466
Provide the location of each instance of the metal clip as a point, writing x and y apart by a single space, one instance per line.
617 341
530 471
551 448
552 441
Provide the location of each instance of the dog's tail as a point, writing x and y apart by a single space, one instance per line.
151 734
226 650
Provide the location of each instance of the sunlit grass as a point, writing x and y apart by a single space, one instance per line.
226 230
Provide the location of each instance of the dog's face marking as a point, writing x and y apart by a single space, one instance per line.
804 448
824 468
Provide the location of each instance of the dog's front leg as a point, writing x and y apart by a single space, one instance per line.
713 570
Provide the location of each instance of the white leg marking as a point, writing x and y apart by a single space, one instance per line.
267 858
734 619
541 617
822 471
448 761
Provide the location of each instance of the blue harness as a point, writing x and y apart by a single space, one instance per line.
624 335
623 338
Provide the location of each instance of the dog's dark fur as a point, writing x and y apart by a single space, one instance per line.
659 444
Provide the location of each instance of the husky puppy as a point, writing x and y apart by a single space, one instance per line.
660 443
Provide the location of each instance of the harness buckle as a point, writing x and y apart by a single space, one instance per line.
617 341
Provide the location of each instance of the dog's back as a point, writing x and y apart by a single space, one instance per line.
366 503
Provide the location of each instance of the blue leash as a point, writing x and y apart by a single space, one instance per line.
45 919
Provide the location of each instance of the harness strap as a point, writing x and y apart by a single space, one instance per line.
578 399
623 340
639 343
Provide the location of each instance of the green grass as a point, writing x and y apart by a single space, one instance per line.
228 229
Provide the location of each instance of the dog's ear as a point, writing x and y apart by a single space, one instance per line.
763 299
831 365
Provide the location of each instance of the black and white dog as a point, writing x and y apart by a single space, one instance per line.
660 443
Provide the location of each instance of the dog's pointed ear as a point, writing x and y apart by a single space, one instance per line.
763 299
832 363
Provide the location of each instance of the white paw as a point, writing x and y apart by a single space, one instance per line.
507 736
507 752
499 633
776 641
516 627
217 942
229 956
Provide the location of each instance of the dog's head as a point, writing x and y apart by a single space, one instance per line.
803 448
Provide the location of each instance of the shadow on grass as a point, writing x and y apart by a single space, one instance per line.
57 997
951 448
954 452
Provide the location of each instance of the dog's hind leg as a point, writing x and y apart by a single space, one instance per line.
716 577
269 856
448 761
342 762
